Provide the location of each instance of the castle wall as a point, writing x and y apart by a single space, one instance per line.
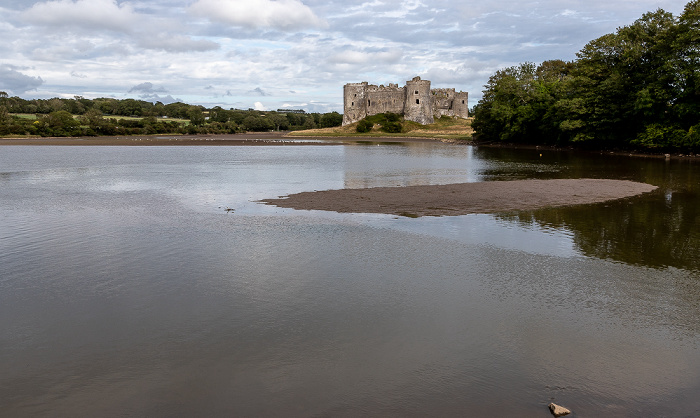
416 101
385 99
443 100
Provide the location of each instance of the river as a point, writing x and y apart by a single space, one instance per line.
148 281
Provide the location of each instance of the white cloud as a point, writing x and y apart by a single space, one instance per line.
364 57
92 14
176 43
275 14
259 106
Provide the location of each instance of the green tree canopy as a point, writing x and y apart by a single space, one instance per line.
637 87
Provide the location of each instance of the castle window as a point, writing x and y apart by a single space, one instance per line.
352 104
416 91
417 101
462 101
355 94
369 103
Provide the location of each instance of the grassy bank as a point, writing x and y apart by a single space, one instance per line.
444 128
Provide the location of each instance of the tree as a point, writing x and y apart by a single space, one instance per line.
329 120
93 118
196 116
636 87
310 122
279 121
257 124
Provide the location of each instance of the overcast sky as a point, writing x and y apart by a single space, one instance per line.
271 54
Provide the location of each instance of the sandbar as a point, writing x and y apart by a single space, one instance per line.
464 198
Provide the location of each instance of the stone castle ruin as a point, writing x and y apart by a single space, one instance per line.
416 101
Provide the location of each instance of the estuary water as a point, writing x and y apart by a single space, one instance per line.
147 281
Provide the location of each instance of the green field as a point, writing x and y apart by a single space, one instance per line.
29 116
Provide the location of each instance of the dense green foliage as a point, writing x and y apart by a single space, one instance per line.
638 87
86 117
389 122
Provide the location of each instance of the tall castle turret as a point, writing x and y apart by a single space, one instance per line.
355 106
418 105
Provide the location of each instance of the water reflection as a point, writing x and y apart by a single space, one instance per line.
409 164
655 230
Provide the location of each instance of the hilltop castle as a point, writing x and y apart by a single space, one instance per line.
416 101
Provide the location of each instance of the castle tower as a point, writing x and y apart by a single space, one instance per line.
461 104
418 106
355 102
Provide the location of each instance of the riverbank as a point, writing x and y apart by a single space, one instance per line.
265 138
464 198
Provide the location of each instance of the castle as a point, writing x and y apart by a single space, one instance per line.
416 101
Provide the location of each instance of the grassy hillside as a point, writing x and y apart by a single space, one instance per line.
443 128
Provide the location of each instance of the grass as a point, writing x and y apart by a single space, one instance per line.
144 117
443 128
29 116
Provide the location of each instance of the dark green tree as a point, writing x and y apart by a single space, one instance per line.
329 120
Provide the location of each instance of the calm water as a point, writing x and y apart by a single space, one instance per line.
128 289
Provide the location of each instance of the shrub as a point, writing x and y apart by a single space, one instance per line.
392 127
364 126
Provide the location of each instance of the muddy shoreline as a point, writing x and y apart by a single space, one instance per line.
464 198
284 138
263 138
167 140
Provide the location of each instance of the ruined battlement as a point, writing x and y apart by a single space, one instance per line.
416 101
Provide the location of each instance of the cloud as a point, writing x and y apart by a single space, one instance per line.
16 82
77 75
147 88
365 57
259 106
92 14
177 43
157 98
258 91
283 15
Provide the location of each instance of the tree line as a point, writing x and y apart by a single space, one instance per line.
636 88
106 116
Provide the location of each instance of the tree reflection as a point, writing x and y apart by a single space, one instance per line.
655 230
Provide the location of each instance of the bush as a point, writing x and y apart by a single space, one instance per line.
364 126
392 127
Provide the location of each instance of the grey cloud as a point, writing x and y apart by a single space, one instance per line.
77 75
147 88
16 82
157 98
257 91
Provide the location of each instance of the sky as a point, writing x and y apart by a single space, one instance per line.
285 54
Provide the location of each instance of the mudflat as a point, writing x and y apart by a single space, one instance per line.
464 198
